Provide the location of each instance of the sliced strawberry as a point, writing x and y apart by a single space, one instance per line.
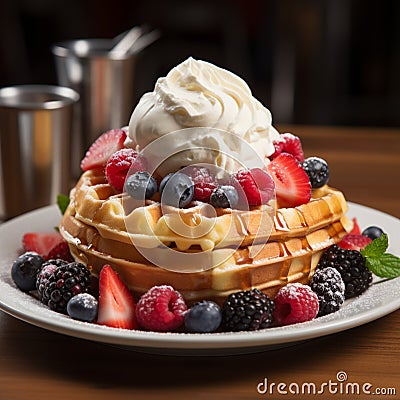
61 250
100 151
41 242
292 184
116 303
354 242
289 143
356 228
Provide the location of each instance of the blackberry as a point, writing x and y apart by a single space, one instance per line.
62 283
328 285
317 170
351 265
247 311
48 267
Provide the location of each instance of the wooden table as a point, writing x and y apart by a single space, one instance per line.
38 364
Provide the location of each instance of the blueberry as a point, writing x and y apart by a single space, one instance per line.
83 307
165 180
373 232
24 270
140 185
225 196
177 190
203 317
317 170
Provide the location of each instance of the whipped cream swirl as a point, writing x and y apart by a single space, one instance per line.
199 94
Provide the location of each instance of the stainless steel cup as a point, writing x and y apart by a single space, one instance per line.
35 137
104 82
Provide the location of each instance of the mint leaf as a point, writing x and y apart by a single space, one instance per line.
382 264
386 265
63 202
377 247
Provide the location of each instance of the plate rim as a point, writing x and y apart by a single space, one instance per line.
191 341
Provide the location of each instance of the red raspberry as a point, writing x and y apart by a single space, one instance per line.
289 143
204 183
295 303
354 242
257 185
120 163
161 309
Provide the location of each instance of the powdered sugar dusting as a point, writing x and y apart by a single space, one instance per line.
292 290
379 300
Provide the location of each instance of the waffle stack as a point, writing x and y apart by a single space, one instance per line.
262 247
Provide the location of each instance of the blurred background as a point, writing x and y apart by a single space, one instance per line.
309 61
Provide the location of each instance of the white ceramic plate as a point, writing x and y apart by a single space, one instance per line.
381 299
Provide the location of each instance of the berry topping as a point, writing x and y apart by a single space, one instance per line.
203 317
120 163
177 190
354 242
247 311
257 185
141 185
60 251
289 143
116 303
351 265
373 232
295 303
48 267
161 309
59 286
204 183
164 181
100 151
41 242
328 285
225 196
317 170
292 184
83 307
24 270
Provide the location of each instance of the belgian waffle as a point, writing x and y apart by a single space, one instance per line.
288 243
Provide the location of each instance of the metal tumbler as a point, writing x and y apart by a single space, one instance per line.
35 137
104 82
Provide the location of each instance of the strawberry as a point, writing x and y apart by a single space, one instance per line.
116 303
42 242
61 250
101 150
356 228
354 242
289 143
292 184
